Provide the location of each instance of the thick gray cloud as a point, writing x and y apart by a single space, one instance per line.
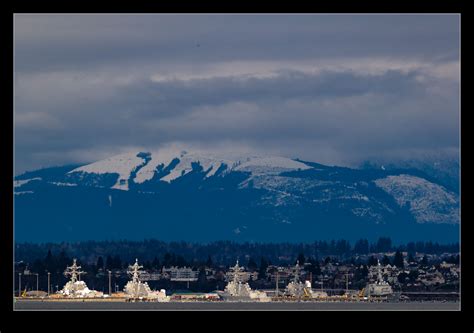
336 89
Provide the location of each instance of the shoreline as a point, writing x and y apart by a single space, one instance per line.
62 305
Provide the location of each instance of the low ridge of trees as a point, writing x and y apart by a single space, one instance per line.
154 253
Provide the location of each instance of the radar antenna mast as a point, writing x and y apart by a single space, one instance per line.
380 279
73 271
235 272
297 272
134 271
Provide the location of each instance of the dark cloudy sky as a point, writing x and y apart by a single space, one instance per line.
336 89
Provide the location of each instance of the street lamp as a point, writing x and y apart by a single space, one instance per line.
37 283
19 285
49 283
276 289
110 283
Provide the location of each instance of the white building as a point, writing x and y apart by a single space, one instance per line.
180 273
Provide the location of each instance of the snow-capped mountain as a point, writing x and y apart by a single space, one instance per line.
143 167
205 196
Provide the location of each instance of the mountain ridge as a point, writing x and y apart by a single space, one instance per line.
231 196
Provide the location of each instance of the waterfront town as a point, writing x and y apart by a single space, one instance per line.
410 276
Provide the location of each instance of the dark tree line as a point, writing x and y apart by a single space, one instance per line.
153 253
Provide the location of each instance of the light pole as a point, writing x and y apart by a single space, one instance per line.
19 284
37 283
110 283
49 282
277 284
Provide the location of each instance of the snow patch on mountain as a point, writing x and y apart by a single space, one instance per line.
19 183
122 164
270 165
24 192
428 202
125 164
256 165
367 212
209 164
62 184
163 157
292 184
292 190
211 171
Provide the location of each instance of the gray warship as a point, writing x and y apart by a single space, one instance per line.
237 290
379 288
138 290
76 288
299 290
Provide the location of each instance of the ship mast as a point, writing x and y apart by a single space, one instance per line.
379 273
74 271
134 271
235 271
297 272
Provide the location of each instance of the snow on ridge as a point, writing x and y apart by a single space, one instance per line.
272 164
157 158
429 202
19 183
122 164
213 169
209 164
235 162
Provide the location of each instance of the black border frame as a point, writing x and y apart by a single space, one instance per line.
364 320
